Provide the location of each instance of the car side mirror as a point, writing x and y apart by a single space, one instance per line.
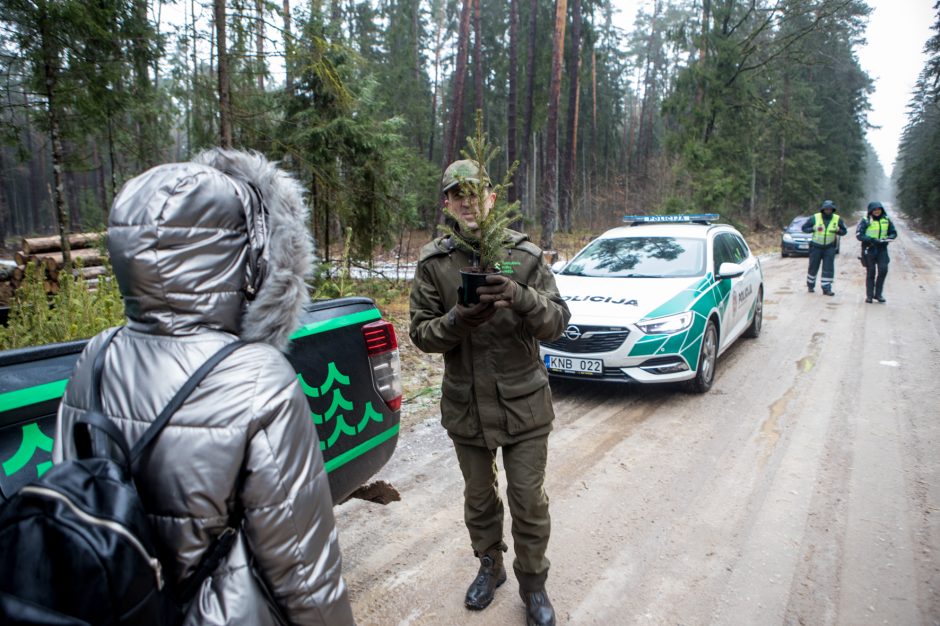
730 270
557 265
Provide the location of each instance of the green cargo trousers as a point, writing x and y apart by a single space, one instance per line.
524 463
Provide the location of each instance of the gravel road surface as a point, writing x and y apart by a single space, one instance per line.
803 489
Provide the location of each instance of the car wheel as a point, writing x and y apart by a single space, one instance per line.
753 331
783 253
707 360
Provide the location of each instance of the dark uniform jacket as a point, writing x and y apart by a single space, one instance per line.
495 390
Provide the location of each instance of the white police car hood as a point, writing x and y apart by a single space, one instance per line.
607 301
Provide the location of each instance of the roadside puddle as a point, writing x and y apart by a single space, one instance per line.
770 428
808 362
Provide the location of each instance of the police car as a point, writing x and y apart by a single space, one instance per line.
657 301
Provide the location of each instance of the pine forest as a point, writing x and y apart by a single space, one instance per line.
754 109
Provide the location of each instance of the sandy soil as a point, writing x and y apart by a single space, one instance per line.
803 489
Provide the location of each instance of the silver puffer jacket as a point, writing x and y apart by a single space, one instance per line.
188 241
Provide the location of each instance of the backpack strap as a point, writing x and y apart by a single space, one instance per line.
161 421
98 425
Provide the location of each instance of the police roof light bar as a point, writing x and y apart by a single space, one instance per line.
649 219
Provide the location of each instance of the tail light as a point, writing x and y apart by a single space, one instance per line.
382 346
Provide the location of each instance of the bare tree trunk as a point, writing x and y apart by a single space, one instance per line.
592 148
193 103
259 43
147 153
528 201
417 69
703 49
460 76
37 178
566 201
477 56
288 51
61 211
100 182
550 185
751 206
4 203
71 188
513 193
438 36
645 132
225 102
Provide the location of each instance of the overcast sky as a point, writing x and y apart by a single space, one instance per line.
893 57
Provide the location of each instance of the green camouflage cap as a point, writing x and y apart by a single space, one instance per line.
463 171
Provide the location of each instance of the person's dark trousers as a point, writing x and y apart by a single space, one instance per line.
826 256
524 463
876 260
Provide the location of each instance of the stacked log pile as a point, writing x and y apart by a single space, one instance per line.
46 253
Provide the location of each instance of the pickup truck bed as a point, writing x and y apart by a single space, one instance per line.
346 360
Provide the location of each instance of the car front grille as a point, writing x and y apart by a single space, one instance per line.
593 339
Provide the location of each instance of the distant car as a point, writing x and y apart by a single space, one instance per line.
657 301
795 242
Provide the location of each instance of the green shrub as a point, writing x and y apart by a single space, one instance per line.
73 313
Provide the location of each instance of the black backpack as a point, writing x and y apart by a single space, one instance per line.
76 544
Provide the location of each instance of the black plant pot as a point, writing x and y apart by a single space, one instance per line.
472 277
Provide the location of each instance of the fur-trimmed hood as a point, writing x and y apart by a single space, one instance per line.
220 242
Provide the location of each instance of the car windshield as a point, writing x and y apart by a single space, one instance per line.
796 224
640 257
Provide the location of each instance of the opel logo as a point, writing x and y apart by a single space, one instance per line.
573 332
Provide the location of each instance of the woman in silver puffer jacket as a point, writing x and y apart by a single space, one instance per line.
204 253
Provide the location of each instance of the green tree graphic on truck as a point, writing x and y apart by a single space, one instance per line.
335 380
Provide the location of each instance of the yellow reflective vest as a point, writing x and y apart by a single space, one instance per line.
824 234
877 229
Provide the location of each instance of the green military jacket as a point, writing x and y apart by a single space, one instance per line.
495 390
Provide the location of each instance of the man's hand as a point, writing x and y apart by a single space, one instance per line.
498 291
475 315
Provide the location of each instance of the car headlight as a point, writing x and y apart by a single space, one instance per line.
666 325
788 237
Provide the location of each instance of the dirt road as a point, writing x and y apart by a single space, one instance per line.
803 489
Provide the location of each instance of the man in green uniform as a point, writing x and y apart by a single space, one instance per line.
495 391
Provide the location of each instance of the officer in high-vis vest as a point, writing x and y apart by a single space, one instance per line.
875 231
825 226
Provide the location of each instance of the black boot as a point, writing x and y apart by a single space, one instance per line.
538 609
492 574
828 292
880 299
810 288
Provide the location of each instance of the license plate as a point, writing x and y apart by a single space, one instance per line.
802 246
574 365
